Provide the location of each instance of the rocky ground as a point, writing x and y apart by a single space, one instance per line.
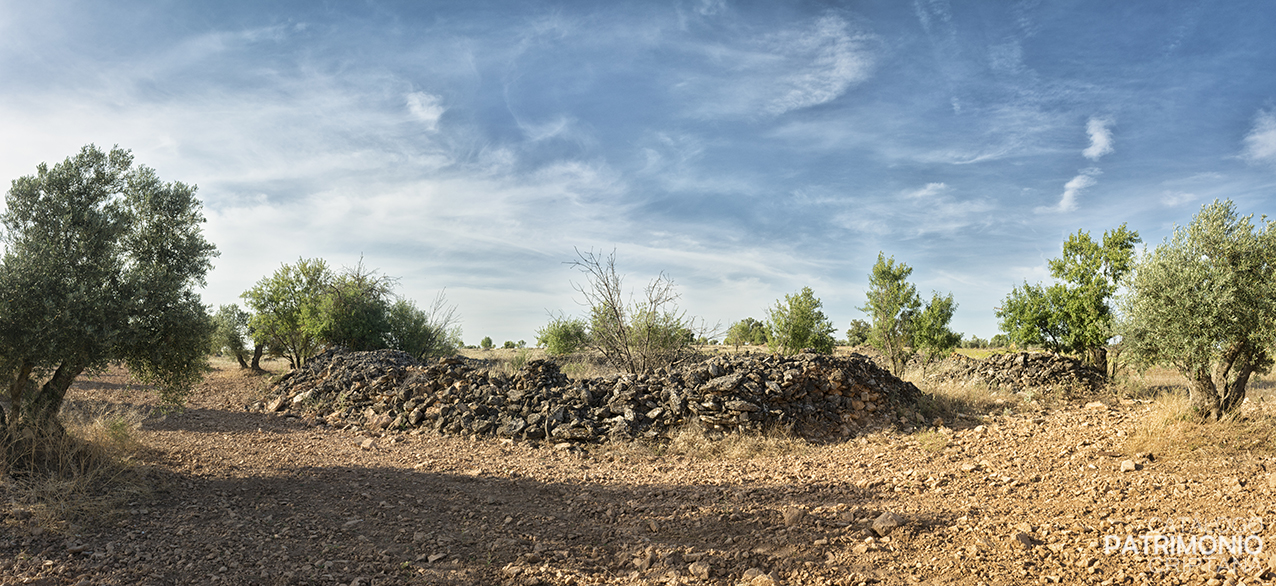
1027 494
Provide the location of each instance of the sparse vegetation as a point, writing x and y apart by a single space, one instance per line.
1074 316
635 336
798 323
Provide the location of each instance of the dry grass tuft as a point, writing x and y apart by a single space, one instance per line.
83 475
1171 429
695 442
948 399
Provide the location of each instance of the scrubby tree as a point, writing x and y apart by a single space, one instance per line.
563 335
421 333
747 331
999 341
231 333
354 309
858 333
288 309
633 335
1076 315
797 323
892 304
486 343
1204 302
102 262
931 335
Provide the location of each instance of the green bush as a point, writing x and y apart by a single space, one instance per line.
563 335
797 323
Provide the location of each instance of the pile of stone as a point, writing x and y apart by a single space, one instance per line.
1021 371
815 396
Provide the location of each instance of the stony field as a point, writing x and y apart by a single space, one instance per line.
999 488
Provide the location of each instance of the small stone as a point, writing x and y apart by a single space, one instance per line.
821 541
969 467
1096 405
77 548
886 522
699 569
1024 540
792 516
434 557
653 526
1129 466
368 444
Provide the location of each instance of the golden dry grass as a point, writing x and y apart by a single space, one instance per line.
693 441
1172 429
82 475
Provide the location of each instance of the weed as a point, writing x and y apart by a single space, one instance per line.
694 441
931 440
83 472
1172 429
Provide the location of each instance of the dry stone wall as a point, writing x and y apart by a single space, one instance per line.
811 395
1021 371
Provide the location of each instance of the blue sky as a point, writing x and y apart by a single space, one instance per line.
745 149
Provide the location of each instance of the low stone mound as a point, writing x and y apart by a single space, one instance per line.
811 395
1021 371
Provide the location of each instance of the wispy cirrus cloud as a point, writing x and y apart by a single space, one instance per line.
1260 142
780 72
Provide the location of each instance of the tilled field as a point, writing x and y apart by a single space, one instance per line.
1040 497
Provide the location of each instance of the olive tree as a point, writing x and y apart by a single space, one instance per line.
1204 302
102 263
231 332
797 323
563 335
747 331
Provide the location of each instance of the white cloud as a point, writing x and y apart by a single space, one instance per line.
1100 138
426 108
931 190
1068 202
1174 199
781 72
1260 143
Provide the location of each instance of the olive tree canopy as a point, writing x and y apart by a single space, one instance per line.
1204 302
102 261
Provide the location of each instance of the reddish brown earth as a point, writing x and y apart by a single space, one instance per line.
1010 498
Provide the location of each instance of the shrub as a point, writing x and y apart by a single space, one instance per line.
797 323
563 335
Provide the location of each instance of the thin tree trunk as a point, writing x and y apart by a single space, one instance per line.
240 357
257 350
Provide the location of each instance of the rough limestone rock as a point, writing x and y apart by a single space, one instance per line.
1021 371
815 396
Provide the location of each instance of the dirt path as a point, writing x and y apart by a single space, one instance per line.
247 498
